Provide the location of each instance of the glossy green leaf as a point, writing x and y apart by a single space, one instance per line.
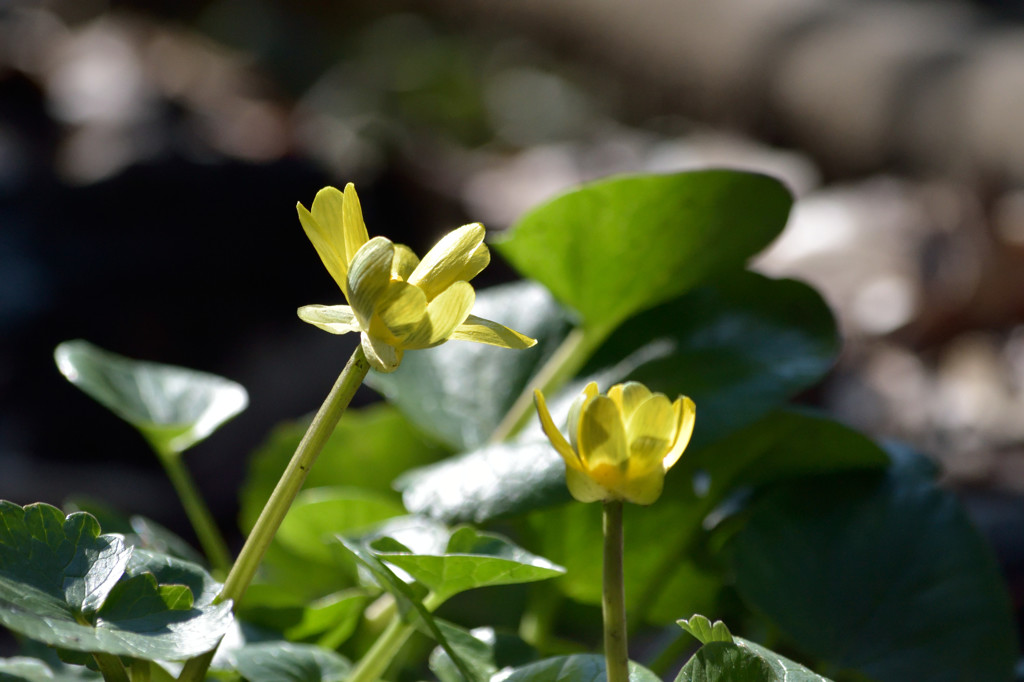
64 584
880 573
471 560
138 531
289 662
27 669
476 653
173 407
577 668
369 448
613 248
331 619
743 661
739 347
459 392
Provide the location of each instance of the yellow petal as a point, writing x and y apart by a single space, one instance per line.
650 431
449 260
602 435
402 309
369 275
589 391
448 310
629 396
585 489
354 229
479 330
337 319
480 259
405 262
332 259
382 357
686 413
644 489
572 460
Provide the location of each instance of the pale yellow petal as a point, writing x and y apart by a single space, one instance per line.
332 259
572 460
368 277
645 488
480 259
576 409
337 319
650 431
585 489
686 413
402 309
479 330
328 209
405 262
602 435
629 396
449 260
446 312
382 356
354 229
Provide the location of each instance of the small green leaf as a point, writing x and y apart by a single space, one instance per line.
616 247
173 407
577 668
459 392
473 559
702 628
289 662
63 584
477 654
879 573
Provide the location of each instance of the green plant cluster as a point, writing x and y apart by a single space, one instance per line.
436 527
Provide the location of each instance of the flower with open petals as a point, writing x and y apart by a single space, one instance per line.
620 444
397 302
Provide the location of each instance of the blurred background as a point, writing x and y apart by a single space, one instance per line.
151 154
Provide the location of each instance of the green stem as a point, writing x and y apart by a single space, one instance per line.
284 494
375 662
198 513
111 667
613 597
141 670
568 359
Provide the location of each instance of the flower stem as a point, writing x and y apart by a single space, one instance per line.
210 538
613 597
375 662
568 359
284 494
110 667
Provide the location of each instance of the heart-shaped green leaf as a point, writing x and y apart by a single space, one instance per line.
739 347
472 559
64 584
881 573
173 407
459 392
616 247
743 661
289 662
577 668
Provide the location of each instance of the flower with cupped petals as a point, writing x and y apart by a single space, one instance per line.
620 444
397 302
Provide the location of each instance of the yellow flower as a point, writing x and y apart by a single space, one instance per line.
397 301
622 443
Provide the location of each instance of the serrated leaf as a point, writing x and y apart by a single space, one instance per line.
173 407
739 347
704 630
459 392
879 573
577 668
471 560
613 248
63 584
289 662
